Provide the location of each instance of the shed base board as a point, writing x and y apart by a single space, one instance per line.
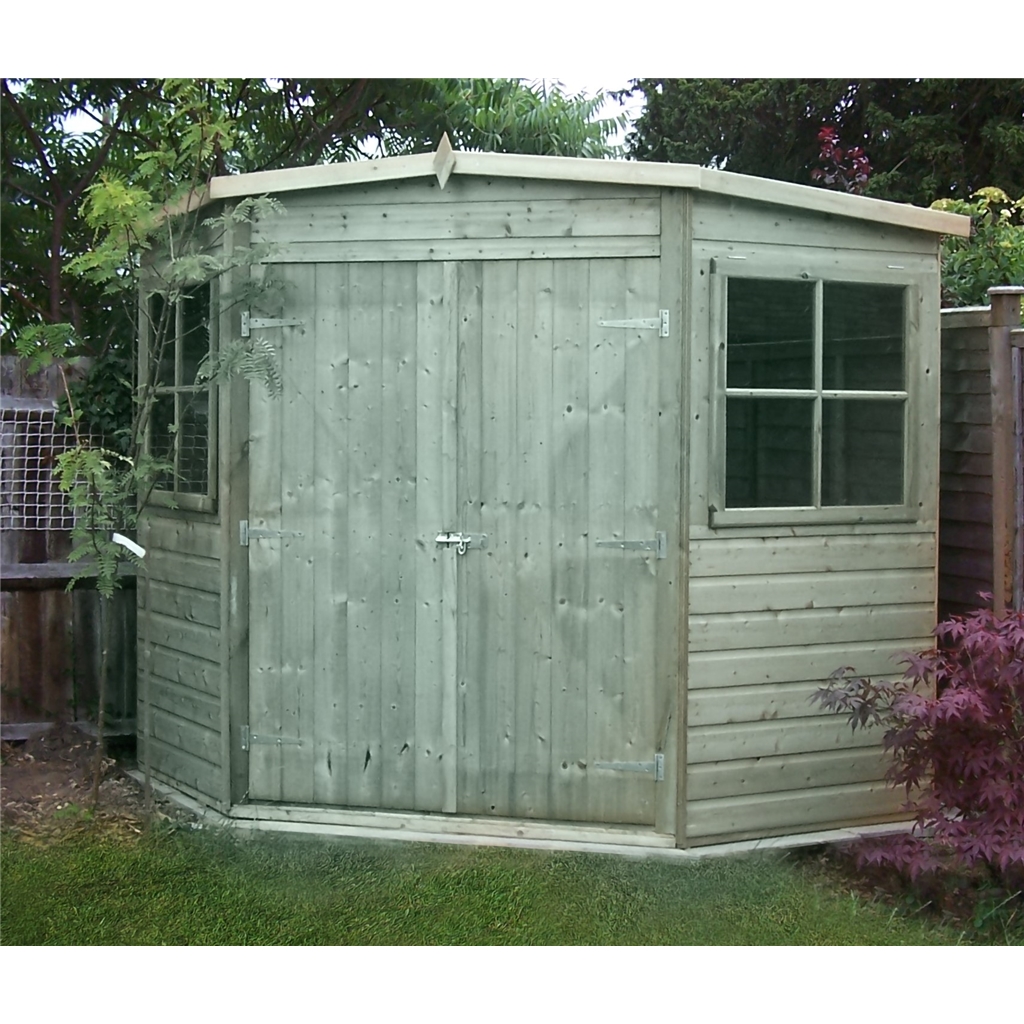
422 828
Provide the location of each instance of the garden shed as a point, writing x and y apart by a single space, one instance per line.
584 476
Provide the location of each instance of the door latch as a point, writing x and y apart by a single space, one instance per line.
462 542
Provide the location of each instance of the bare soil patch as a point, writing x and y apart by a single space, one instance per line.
46 786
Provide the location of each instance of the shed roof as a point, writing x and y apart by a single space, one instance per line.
446 161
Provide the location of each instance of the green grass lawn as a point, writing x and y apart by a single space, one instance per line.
200 888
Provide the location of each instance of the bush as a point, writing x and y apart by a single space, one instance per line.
993 255
955 727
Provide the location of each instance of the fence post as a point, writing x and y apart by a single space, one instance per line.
1005 303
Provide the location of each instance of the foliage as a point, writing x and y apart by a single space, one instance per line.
925 138
992 256
846 170
959 754
145 239
160 136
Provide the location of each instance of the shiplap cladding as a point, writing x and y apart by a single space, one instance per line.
773 611
180 663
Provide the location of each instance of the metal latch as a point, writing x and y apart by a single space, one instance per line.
657 323
258 323
655 767
247 533
659 544
462 541
248 738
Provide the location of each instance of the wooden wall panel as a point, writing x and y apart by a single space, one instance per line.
180 652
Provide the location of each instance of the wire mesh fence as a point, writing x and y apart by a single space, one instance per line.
31 440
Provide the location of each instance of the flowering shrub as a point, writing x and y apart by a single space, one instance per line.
959 753
847 170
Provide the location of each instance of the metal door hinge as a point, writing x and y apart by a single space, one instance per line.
249 738
655 767
659 544
259 323
657 323
247 533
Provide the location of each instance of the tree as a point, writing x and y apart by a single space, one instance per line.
926 139
48 168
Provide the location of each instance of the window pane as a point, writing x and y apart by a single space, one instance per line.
768 452
861 452
161 437
194 442
862 344
161 339
770 341
195 328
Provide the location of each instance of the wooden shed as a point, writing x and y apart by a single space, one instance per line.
584 476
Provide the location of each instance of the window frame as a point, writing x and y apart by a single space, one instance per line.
171 497
902 269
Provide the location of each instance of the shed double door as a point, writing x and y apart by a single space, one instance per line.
482 399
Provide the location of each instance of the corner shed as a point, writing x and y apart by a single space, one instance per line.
584 477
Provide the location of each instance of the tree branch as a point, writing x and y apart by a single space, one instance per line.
37 143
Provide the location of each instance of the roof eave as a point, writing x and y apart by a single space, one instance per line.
560 168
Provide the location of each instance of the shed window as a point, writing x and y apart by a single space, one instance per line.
816 396
180 428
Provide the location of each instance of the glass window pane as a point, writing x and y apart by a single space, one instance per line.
861 452
195 332
194 442
161 339
770 339
768 452
161 437
862 343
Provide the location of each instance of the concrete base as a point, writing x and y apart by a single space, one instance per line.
408 833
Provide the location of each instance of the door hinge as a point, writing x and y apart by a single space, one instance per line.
259 323
659 544
657 323
247 533
249 738
655 767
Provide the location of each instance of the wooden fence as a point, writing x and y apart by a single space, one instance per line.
49 638
981 495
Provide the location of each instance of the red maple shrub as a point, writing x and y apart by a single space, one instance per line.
955 727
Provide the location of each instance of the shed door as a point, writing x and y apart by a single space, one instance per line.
558 440
390 671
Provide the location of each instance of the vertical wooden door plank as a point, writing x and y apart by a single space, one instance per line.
468 311
448 753
296 552
605 676
570 464
265 592
640 568
330 533
670 660
366 455
495 671
398 525
431 517
532 539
